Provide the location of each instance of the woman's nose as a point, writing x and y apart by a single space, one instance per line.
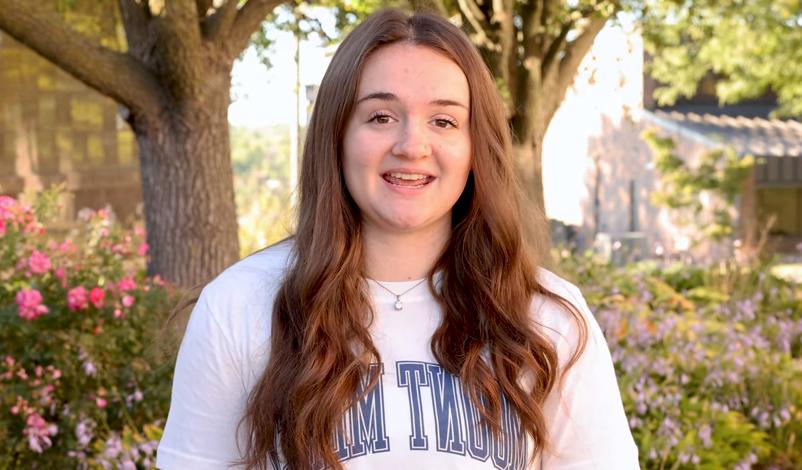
413 142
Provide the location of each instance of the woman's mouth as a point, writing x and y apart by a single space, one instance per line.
408 180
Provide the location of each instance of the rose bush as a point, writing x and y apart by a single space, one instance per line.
82 383
709 360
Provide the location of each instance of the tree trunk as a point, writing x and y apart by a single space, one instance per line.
188 189
174 79
529 165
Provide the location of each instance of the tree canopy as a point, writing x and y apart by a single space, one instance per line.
751 45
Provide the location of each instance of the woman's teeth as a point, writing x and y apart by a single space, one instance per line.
409 180
408 176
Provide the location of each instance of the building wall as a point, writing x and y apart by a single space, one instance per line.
598 172
594 161
54 129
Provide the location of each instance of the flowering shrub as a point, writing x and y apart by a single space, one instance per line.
81 383
709 361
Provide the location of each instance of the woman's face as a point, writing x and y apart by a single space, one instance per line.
407 147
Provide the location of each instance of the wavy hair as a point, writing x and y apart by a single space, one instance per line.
321 347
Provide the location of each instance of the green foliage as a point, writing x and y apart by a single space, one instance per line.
261 164
719 173
708 359
752 45
303 19
82 384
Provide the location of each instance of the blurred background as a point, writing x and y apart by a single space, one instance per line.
146 146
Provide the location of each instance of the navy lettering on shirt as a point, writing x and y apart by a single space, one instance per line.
412 376
459 428
447 417
368 426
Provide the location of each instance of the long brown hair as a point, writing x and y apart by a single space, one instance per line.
321 347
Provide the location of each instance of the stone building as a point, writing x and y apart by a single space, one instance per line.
54 129
599 174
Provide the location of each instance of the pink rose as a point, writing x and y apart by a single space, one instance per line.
7 206
96 296
38 432
126 284
39 263
77 299
61 275
67 247
143 249
100 402
29 303
128 301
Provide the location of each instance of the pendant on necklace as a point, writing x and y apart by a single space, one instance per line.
398 304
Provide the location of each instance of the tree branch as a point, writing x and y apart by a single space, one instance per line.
247 20
180 27
182 57
531 13
563 75
474 16
136 21
555 47
503 12
547 13
203 7
436 6
219 23
576 50
118 75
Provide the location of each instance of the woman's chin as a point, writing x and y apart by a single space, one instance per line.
407 223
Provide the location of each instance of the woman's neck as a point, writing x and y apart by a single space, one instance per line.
402 256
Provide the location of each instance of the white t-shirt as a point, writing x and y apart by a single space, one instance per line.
417 417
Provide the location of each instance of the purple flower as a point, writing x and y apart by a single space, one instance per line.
84 431
38 431
705 433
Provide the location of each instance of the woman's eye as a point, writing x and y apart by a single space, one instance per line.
380 118
444 123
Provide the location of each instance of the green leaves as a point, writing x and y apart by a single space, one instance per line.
751 45
707 359
718 176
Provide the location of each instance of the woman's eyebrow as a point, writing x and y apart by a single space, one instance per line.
387 96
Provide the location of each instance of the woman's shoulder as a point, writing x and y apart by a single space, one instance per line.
554 319
252 280
556 284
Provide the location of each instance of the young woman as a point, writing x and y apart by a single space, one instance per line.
405 325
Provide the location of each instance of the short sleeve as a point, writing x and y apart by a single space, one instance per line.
588 428
207 397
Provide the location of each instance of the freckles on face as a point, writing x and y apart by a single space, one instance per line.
407 146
